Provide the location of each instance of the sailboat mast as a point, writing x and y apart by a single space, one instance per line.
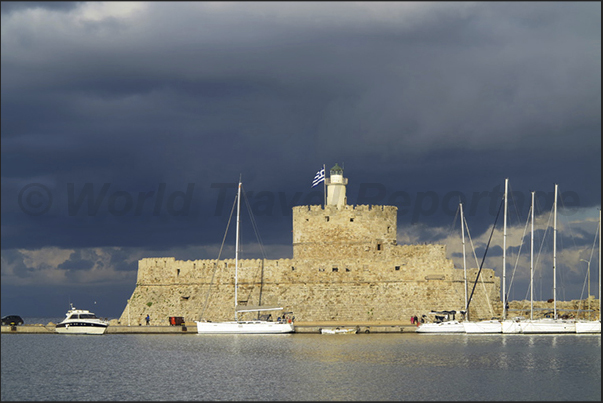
237 248
532 262
504 256
464 260
324 187
599 265
555 255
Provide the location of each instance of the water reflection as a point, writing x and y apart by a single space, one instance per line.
302 367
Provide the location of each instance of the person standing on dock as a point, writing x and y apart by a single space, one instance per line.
148 318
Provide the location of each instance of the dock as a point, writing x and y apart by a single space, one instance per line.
191 328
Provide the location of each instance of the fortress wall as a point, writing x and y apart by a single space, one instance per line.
366 291
404 262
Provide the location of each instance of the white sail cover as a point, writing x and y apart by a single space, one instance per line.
255 308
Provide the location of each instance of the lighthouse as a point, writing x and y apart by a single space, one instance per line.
336 187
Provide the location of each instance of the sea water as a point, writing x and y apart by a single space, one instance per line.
390 366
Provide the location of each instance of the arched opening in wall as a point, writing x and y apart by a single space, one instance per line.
177 272
378 246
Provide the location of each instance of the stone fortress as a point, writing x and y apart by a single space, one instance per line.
346 266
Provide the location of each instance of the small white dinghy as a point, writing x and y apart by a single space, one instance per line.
338 330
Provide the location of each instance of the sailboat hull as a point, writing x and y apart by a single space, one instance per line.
247 327
451 326
484 326
512 326
588 326
549 326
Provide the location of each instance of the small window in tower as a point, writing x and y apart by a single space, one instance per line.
346 269
327 218
177 272
335 269
397 268
352 219
378 246
292 268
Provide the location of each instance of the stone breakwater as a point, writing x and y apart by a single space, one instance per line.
575 309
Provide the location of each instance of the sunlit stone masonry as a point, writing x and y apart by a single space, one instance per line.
346 266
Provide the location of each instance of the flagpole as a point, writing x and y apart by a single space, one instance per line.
324 186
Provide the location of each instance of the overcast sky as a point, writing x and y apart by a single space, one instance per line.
125 127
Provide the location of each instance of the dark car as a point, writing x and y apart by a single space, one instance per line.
11 320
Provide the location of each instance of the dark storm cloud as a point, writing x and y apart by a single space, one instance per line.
8 7
14 257
76 262
421 102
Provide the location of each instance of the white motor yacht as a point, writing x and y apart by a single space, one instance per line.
81 321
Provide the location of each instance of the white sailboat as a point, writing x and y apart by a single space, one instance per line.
554 324
445 321
251 326
493 325
515 325
593 326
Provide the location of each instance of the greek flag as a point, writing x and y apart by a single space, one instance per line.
319 177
